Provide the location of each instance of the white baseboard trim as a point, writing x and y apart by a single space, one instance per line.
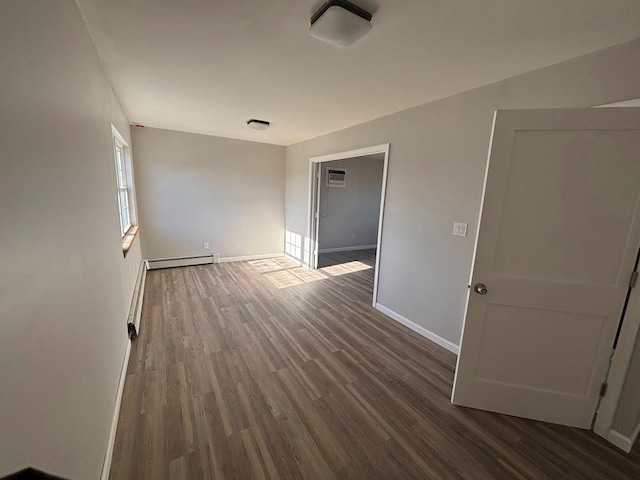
347 249
622 441
635 434
619 440
108 456
244 258
452 347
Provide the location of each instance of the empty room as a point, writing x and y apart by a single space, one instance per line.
311 239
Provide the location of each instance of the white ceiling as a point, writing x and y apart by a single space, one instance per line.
207 66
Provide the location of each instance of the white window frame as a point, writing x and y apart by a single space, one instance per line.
124 182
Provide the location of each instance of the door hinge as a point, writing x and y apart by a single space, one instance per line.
131 331
633 280
603 389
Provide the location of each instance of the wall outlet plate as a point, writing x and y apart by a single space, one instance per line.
205 245
459 229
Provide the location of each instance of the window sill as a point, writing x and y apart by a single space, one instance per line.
128 239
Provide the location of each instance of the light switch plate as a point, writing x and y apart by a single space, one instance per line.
459 229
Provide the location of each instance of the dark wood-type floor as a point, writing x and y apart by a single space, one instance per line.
367 257
261 369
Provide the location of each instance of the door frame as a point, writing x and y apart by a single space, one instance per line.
312 230
615 379
621 358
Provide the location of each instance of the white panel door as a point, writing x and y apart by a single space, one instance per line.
557 241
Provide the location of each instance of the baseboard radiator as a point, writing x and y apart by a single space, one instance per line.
181 261
135 311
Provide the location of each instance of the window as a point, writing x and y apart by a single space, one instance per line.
124 184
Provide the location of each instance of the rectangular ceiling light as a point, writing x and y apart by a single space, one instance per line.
340 23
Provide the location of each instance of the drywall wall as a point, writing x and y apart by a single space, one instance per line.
627 417
65 287
349 215
436 167
195 188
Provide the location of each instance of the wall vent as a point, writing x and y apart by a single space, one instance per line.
336 177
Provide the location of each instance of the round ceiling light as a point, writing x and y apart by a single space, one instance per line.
258 124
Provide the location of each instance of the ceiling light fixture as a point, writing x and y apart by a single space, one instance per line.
258 124
340 23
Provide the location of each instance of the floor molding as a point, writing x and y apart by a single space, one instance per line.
108 456
347 249
244 258
635 434
622 441
452 347
619 440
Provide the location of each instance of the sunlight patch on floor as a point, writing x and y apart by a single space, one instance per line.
349 267
297 276
272 264
284 273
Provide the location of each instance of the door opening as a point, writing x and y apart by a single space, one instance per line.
346 211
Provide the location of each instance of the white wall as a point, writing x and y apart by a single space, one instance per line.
195 188
65 287
436 170
349 215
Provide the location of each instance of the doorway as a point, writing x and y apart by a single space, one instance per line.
346 211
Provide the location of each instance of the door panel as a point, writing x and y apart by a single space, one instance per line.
557 240
567 164
509 348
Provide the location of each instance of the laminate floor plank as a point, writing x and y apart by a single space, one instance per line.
264 370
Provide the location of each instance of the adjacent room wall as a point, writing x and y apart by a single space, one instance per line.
65 288
627 419
349 215
195 188
437 162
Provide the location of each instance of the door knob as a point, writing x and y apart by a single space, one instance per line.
480 288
